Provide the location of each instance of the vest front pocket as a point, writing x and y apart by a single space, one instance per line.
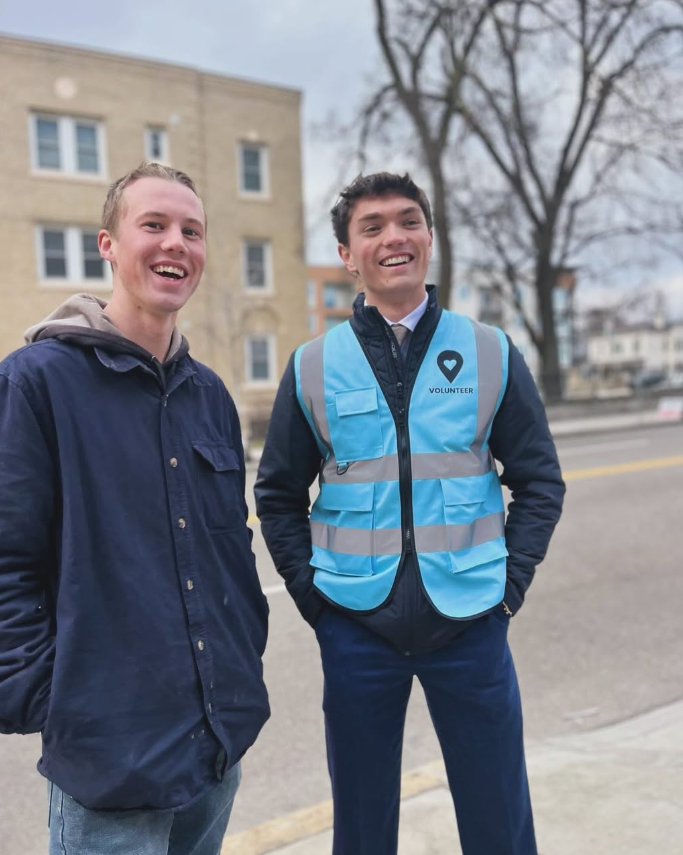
474 521
463 498
355 427
219 485
483 558
342 533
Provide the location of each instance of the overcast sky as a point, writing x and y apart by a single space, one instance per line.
323 47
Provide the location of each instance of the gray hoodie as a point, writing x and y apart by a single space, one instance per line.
81 320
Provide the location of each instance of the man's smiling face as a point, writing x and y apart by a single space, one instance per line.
158 251
389 248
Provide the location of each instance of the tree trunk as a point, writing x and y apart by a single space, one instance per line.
551 375
442 227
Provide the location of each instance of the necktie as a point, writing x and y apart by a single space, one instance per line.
400 332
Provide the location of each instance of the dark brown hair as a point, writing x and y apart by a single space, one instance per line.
369 186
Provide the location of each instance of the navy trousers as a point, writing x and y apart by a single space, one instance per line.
473 698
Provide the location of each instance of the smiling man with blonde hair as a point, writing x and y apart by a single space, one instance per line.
132 622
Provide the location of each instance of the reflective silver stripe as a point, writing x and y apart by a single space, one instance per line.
443 464
451 538
428 538
362 471
356 541
313 387
490 368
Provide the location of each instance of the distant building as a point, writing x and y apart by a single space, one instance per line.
73 120
330 291
619 351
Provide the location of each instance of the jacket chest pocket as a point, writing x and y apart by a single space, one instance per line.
355 426
218 470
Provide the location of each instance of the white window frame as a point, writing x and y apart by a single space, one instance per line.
268 287
157 129
75 278
66 135
249 378
264 192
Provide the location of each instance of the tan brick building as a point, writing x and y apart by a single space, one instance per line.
73 120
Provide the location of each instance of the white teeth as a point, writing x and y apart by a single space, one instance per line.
165 268
396 259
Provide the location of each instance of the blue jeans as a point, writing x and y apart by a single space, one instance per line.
473 698
196 830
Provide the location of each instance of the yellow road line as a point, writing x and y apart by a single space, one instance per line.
314 820
620 468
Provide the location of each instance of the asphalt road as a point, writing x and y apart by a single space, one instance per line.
597 641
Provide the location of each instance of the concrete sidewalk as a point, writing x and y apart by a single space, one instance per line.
618 789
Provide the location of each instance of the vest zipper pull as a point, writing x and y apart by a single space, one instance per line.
342 467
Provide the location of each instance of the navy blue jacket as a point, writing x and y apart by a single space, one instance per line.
132 622
520 440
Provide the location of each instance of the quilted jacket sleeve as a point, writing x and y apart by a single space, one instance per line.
521 441
289 464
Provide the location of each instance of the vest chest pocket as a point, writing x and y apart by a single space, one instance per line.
219 485
355 426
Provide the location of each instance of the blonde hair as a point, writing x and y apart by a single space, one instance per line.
149 169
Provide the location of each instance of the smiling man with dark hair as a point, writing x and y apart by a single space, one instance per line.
407 566
132 622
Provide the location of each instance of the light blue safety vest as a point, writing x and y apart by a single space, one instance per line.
451 488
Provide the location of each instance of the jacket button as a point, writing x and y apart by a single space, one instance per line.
181 523
174 462
190 584
200 644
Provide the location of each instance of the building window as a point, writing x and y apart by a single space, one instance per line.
260 358
311 298
87 155
69 255
257 266
312 324
254 169
338 295
156 145
93 263
66 144
47 142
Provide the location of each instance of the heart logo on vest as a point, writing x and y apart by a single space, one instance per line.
450 363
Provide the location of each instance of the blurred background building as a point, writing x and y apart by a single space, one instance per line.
75 120
330 291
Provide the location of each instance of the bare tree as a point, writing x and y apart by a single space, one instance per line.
549 129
